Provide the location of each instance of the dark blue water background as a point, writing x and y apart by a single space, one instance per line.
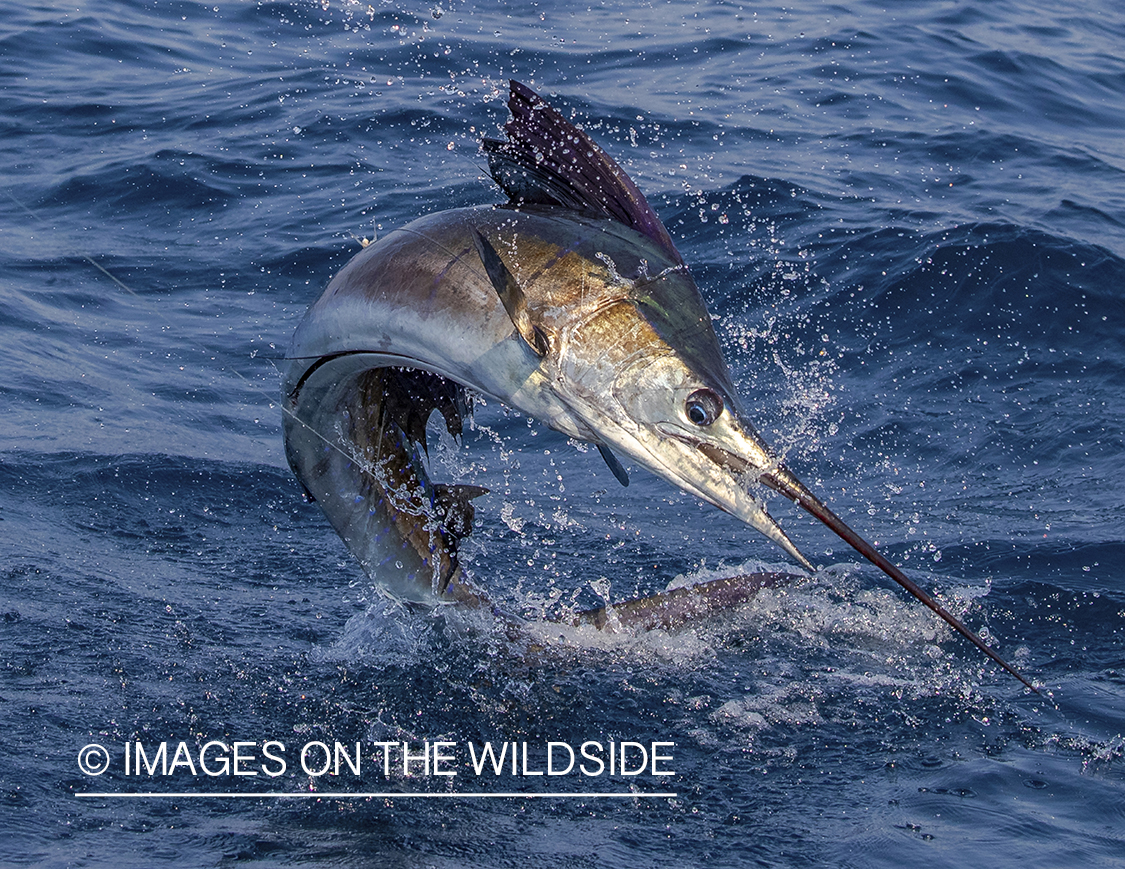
909 222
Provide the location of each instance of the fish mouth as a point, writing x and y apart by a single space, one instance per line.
775 476
720 476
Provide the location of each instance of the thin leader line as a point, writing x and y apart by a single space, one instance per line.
273 401
158 312
79 253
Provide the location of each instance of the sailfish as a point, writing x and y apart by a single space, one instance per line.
569 303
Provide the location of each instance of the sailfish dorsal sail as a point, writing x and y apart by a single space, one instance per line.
546 160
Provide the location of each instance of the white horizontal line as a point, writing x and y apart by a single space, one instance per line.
305 795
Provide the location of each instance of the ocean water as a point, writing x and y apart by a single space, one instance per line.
908 220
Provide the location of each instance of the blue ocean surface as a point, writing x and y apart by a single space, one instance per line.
908 222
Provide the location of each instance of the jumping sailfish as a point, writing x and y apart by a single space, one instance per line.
569 303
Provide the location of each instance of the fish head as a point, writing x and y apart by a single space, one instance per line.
641 369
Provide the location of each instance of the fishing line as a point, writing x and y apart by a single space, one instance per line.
77 253
363 465
160 315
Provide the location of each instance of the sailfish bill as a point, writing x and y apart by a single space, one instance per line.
570 303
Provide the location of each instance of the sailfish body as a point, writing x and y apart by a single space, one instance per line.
421 300
569 303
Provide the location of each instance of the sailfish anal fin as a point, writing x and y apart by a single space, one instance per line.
549 161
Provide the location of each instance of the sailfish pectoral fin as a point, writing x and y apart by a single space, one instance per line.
614 465
511 295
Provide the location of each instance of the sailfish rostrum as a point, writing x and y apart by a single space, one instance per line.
570 303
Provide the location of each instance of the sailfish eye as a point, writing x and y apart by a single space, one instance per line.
703 406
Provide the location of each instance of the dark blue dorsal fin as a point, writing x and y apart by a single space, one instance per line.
549 161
